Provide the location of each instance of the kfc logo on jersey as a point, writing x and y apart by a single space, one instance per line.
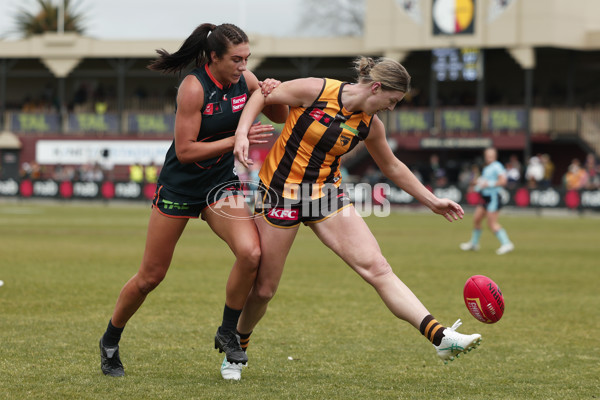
212 108
283 214
237 103
320 116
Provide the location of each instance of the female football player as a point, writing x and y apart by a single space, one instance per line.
198 172
300 179
493 178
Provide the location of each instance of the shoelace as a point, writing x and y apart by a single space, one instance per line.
233 342
456 325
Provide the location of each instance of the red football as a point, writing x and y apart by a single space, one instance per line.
484 299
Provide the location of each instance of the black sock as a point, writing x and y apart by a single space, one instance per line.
432 330
230 319
244 339
112 335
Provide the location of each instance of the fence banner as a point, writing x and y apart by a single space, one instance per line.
35 123
548 198
9 188
114 152
411 121
461 120
506 119
93 123
150 123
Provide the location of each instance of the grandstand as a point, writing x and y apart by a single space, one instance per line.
520 75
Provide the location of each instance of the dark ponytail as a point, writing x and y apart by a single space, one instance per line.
197 48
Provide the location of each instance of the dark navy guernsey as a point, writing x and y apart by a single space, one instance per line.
220 116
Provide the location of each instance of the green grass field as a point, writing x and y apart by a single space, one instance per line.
64 264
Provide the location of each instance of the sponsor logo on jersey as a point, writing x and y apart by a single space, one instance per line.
238 103
321 117
349 128
283 214
212 108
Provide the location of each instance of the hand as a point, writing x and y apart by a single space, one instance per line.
256 135
267 86
448 209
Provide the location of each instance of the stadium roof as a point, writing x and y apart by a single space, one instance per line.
392 28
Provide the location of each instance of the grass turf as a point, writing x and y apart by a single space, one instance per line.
64 265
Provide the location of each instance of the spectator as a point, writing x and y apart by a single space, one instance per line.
26 170
96 174
548 170
513 171
534 173
437 174
136 173
576 177
86 173
151 172
467 175
593 170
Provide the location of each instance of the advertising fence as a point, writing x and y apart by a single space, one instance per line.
362 194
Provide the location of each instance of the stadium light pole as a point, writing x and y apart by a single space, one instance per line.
528 108
60 28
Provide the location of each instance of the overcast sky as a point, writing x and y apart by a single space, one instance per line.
168 19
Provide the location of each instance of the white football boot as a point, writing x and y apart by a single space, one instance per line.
469 246
454 344
231 372
505 248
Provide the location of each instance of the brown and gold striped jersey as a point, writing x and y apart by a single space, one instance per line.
314 138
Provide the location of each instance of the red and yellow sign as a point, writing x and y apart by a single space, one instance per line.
453 17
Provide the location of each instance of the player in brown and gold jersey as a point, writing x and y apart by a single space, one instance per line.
327 118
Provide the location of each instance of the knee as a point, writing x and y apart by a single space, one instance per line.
374 269
263 293
249 256
147 282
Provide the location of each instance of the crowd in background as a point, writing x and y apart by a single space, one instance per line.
538 173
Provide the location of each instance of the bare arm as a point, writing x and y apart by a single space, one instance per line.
400 174
295 93
275 112
190 99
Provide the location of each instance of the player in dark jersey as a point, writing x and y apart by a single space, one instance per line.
300 178
199 172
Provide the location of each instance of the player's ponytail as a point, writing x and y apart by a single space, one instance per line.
197 48
391 74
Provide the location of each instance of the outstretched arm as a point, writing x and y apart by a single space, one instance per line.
400 174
